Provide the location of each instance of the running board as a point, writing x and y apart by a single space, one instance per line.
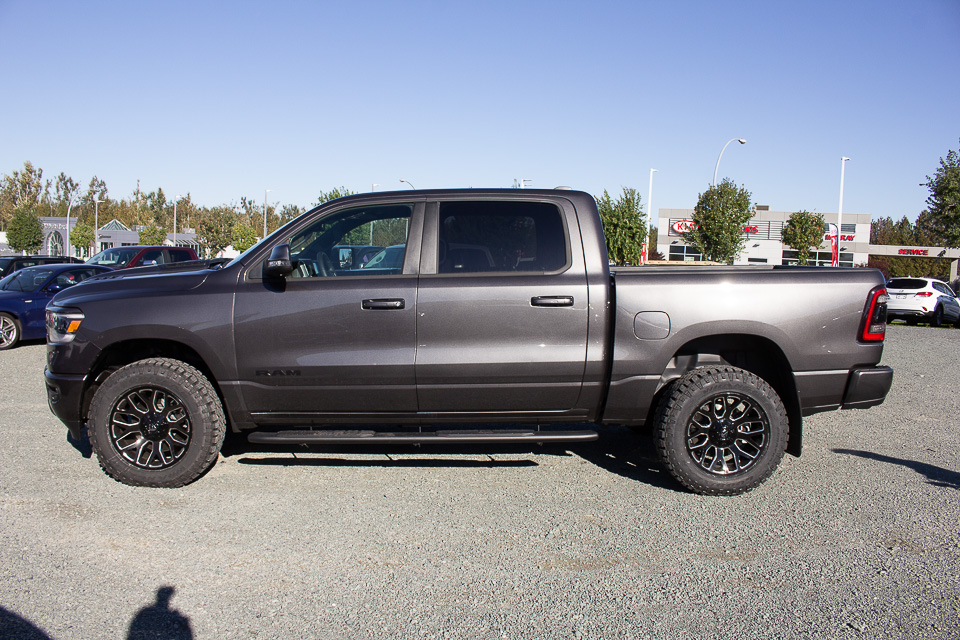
306 436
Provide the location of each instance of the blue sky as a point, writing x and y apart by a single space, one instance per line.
224 100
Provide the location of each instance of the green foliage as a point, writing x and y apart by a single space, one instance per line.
719 217
22 188
244 237
215 230
25 232
803 231
944 199
333 194
153 235
624 226
81 236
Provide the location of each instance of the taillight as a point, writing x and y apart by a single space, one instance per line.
924 294
875 316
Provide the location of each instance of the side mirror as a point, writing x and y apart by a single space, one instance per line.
279 263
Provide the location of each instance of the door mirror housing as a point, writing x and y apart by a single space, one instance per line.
279 263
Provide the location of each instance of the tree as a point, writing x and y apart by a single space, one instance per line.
153 235
244 237
944 199
25 232
803 231
333 194
81 236
624 226
215 230
719 217
22 188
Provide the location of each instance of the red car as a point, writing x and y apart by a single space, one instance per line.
141 256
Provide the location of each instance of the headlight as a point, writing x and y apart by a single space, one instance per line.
62 325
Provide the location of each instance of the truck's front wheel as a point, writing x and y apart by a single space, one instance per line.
721 430
156 423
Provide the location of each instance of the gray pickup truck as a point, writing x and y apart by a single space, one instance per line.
492 310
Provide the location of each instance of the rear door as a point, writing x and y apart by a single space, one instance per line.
326 341
502 310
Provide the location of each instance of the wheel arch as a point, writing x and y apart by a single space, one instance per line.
756 354
122 353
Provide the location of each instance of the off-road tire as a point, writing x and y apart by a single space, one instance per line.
156 423
720 430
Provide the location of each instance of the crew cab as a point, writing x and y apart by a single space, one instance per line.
502 310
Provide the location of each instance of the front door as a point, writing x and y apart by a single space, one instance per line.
334 337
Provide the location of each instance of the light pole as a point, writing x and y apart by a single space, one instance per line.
645 254
66 249
740 140
96 223
175 220
409 183
265 192
373 187
836 254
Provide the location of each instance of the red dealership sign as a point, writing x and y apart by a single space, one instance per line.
914 252
683 226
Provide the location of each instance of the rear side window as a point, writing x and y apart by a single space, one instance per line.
180 255
906 283
500 237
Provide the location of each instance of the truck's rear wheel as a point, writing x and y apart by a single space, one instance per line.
156 423
721 430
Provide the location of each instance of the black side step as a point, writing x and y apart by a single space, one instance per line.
305 436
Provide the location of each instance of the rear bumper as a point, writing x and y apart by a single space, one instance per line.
867 387
65 397
857 388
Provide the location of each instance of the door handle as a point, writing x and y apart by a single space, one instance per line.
384 303
552 301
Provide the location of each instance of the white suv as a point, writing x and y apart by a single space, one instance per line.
914 299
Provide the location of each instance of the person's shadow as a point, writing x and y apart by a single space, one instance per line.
158 621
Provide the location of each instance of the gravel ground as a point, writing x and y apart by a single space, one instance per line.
856 539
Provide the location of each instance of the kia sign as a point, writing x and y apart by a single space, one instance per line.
683 226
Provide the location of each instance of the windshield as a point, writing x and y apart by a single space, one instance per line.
116 257
25 280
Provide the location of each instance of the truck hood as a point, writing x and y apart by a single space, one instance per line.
154 280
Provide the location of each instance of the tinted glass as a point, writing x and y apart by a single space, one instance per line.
907 283
477 237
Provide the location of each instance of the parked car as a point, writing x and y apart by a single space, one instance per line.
9 264
25 293
141 256
915 299
503 309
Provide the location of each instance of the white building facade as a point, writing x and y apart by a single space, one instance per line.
764 238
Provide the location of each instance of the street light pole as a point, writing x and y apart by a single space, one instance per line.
265 192
645 255
409 183
740 140
66 249
175 220
96 223
843 165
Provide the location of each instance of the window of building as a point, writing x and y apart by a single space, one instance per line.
817 258
683 253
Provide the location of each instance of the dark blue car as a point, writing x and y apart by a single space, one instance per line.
24 296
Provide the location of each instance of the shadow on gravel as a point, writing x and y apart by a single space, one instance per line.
937 476
621 451
82 445
14 627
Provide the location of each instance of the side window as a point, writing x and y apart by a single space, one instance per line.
499 237
355 242
154 256
179 255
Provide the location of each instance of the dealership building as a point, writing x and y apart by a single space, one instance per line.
764 238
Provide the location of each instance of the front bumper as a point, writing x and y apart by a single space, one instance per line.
65 399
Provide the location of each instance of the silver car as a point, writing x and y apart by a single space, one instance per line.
915 299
